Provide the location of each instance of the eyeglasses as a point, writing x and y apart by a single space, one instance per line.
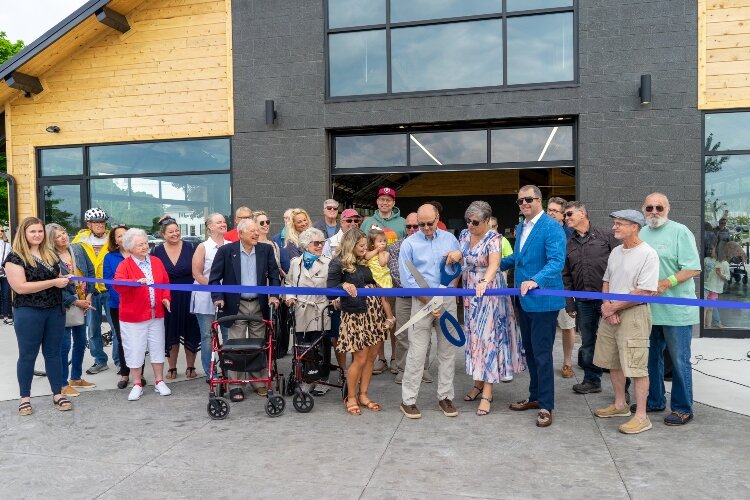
350 221
318 243
244 217
412 226
569 214
474 223
651 208
264 222
332 208
428 224
553 210
386 199
526 199
621 224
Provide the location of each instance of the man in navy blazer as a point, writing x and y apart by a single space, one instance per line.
245 263
538 259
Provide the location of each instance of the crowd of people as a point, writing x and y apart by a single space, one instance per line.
557 248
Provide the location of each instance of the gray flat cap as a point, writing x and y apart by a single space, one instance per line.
630 215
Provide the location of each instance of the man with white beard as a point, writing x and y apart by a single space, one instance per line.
679 263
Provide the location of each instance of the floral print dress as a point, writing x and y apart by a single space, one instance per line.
493 339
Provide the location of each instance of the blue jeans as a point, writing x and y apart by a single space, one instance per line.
677 339
39 327
5 310
78 334
589 313
538 335
99 302
204 324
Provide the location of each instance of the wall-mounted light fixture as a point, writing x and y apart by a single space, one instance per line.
270 112
645 91
53 129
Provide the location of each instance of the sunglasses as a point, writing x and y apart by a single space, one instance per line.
332 208
474 223
264 222
526 199
412 226
318 243
569 214
651 208
428 224
350 221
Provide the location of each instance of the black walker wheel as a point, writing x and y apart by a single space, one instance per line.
275 406
218 408
303 402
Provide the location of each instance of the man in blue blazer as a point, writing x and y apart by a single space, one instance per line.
245 263
538 259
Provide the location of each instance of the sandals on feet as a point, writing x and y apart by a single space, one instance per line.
236 395
171 374
352 408
480 412
370 405
190 372
469 397
25 409
62 404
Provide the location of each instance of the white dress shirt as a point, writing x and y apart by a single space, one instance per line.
527 227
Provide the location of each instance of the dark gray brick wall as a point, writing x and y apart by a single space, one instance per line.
625 150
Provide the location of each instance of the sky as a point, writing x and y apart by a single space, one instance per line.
27 20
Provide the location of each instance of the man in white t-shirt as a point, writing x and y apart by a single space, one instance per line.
623 338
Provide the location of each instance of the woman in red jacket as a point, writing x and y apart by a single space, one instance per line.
142 311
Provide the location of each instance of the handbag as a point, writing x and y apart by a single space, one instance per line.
74 316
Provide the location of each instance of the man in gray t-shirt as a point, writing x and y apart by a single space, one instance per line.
623 337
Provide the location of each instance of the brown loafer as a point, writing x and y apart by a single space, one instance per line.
543 418
567 371
524 405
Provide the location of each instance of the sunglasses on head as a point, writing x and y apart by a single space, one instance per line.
167 220
350 221
651 208
428 224
412 226
526 199
474 223
264 222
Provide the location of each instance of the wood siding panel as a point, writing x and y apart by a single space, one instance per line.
169 77
723 54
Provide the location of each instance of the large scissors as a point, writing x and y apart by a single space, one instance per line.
436 303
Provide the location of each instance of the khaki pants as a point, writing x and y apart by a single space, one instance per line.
245 329
419 341
402 311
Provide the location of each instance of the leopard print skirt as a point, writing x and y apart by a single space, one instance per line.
361 330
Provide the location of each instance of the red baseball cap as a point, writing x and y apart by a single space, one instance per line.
349 212
387 192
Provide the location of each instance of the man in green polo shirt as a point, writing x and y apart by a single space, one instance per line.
679 263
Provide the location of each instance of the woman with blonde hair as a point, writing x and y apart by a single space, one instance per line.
33 272
365 321
299 220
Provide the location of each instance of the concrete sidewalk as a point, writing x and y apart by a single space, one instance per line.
167 447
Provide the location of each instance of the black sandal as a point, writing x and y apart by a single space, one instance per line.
236 395
171 374
62 404
25 408
481 413
190 372
479 393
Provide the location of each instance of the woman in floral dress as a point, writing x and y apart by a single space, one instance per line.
493 340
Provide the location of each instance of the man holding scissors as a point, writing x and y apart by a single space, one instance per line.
420 260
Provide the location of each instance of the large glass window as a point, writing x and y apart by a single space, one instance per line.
136 183
384 47
726 227
538 146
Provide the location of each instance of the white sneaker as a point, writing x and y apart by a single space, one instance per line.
320 390
162 389
508 378
135 393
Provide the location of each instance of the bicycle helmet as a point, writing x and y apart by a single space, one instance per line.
95 215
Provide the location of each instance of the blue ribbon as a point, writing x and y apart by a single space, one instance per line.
433 292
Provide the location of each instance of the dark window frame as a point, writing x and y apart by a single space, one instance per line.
489 165
85 179
387 26
715 332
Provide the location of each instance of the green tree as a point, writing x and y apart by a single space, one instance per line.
713 163
7 48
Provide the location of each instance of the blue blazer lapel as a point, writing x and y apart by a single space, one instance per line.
236 263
